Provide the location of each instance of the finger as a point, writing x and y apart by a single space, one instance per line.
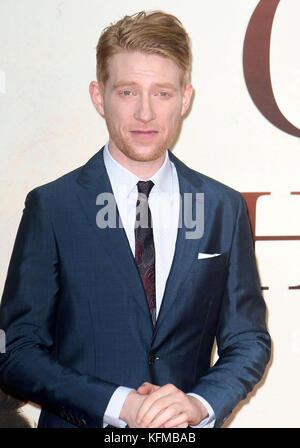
147 388
183 425
179 421
160 394
143 390
169 413
162 410
152 405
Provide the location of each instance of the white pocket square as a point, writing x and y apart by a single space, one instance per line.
201 255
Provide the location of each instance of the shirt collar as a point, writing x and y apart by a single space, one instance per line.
125 180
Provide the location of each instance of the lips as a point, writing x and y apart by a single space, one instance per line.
137 131
143 135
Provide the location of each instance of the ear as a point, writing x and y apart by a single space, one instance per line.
97 94
186 98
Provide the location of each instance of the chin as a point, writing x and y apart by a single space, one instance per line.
142 153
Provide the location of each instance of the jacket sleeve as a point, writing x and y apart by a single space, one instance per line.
242 338
27 315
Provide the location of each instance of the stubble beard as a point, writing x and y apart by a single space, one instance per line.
138 155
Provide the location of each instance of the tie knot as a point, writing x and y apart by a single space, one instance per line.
145 187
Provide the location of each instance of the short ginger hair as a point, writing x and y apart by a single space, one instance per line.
153 32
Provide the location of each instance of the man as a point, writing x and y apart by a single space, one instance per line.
112 321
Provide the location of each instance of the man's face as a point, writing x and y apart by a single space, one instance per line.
143 102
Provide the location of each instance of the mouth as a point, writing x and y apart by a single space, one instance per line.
144 135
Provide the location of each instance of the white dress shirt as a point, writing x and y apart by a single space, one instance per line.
164 203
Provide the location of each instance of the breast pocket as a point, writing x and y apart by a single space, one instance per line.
209 262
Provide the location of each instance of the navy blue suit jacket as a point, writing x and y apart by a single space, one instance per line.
76 317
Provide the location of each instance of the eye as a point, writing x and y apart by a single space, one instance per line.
163 94
126 92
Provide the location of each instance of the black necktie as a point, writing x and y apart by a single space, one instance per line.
144 245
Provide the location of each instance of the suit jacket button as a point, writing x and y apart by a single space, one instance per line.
151 359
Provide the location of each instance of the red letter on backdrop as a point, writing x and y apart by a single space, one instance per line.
256 60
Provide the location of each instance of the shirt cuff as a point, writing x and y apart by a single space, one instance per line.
114 407
210 420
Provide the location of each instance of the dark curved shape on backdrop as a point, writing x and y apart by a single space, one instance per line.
256 62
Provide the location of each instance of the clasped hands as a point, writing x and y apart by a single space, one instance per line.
167 406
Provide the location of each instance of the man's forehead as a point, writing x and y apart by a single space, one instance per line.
134 65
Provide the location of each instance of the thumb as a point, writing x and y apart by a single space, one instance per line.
147 388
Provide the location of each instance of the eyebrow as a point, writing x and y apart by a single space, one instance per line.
164 85
124 83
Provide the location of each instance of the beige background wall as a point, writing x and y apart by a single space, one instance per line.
48 127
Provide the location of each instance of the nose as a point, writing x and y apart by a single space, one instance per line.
144 110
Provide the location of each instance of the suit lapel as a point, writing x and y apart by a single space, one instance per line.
186 249
93 180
